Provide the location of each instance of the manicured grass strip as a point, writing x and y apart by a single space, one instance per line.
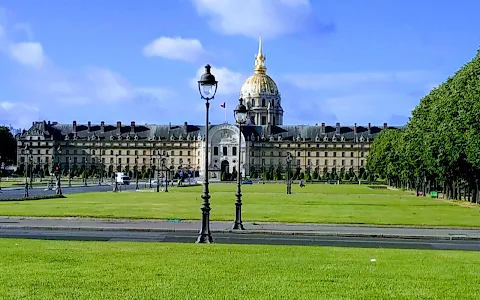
313 204
34 269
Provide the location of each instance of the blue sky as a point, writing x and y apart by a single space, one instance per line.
343 61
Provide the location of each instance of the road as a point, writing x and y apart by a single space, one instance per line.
236 238
18 192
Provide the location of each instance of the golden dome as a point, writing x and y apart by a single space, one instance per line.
259 82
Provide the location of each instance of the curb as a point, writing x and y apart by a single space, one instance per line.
254 223
252 232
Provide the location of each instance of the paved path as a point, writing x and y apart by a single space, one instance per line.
250 228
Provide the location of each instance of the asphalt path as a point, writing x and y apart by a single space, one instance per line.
236 238
18 192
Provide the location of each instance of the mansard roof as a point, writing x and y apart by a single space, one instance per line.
297 133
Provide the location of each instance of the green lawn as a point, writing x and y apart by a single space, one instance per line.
34 269
312 204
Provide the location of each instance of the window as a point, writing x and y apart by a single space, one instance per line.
153 160
343 162
288 145
93 160
180 153
103 160
128 160
103 152
298 153
234 151
351 162
119 152
198 161
263 161
317 162
215 151
309 162
326 162
253 161
253 102
308 154
68 152
119 160
263 102
343 154
264 120
317 154
298 162
144 152
75 152
128 152
224 151
361 154
188 153
361 163
271 153
334 162
351 154
326 154
111 160
172 153
334 154
136 152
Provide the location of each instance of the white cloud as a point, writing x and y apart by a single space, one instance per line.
175 48
229 82
29 54
269 18
17 114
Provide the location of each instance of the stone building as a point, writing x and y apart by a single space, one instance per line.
104 148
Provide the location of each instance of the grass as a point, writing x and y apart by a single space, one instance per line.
345 204
34 269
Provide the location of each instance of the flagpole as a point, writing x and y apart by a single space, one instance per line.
225 110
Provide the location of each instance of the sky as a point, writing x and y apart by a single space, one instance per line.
348 61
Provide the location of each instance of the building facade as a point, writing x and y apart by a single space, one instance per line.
103 148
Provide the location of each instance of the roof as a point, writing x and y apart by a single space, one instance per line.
186 131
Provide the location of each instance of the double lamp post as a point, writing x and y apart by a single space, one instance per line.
207 87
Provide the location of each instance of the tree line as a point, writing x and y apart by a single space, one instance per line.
439 148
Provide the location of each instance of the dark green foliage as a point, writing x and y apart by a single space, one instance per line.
46 197
440 146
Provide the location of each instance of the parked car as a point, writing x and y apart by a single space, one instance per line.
248 181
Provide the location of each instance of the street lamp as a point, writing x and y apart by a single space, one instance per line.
69 172
164 167
115 188
2 167
59 172
26 172
136 173
240 113
289 180
207 87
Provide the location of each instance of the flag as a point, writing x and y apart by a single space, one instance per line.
222 105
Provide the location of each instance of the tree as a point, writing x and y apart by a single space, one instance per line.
8 150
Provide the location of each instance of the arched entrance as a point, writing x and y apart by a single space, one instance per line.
225 167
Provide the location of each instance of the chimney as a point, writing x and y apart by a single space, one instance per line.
48 123
132 127
337 129
89 126
44 125
384 125
369 131
102 127
119 128
33 123
323 127
355 128
185 127
74 130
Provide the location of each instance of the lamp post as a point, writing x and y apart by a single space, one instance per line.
240 113
59 172
207 87
69 172
2 167
115 188
136 173
25 195
289 180
164 167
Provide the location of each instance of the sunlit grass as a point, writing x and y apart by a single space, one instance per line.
312 204
33 269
